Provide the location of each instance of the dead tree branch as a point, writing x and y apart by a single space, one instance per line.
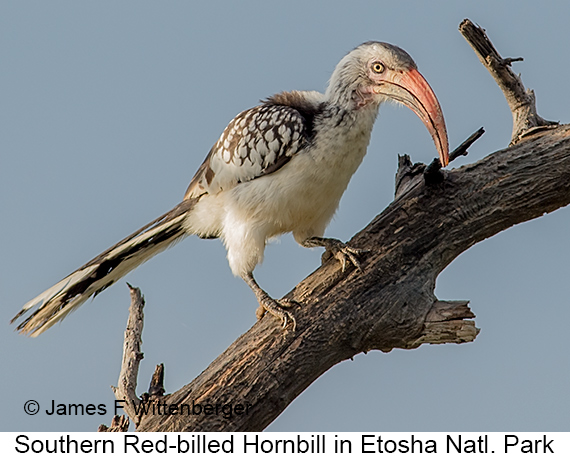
521 102
132 355
391 303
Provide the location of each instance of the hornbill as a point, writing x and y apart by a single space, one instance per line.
279 167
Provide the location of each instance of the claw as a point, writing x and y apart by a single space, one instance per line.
337 249
270 305
276 308
344 252
287 303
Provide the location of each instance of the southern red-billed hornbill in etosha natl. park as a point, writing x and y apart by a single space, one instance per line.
279 167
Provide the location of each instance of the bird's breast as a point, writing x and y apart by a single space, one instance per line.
303 195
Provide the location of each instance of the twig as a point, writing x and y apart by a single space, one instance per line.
432 173
132 355
461 150
521 102
155 391
407 172
156 388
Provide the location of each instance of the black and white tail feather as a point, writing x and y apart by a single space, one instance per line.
104 270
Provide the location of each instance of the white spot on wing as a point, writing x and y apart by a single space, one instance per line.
274 145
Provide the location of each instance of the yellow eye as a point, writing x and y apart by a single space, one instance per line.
377 67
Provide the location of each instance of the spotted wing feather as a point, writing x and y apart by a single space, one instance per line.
257 142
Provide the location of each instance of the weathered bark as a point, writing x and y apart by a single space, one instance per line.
391 304
435 216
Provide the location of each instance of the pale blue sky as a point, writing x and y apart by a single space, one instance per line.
108 108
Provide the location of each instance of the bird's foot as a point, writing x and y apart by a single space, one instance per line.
270 305
337 249
277 309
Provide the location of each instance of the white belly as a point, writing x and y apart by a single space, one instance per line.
301 198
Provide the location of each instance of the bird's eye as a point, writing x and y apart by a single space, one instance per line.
377 67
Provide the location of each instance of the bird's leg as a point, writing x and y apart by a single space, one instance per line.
335 248
268 304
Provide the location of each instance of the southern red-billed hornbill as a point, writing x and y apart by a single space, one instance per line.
279 167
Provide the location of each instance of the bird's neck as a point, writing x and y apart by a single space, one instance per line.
349 120
351 98
341 139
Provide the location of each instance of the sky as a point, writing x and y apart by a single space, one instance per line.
108 108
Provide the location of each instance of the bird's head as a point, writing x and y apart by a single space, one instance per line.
375 72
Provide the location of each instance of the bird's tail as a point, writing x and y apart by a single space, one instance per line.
104 270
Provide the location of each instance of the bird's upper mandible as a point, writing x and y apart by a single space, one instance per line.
375 72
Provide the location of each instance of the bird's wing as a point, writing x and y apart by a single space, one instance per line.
257 142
